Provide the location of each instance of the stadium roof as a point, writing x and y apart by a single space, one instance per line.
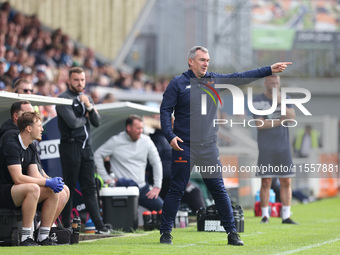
8 98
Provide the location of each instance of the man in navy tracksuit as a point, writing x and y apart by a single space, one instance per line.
198 140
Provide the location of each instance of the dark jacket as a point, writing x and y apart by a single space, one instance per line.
7 129
176 99
73 122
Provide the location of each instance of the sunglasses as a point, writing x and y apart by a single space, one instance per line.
28 90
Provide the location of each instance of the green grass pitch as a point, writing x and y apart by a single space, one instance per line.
318 233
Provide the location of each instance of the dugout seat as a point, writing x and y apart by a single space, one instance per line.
10 227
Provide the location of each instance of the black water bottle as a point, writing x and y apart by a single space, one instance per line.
75 230
237 220
241 222
147 220
154 218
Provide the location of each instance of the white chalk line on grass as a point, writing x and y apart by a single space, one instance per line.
224 238
309 247
186 245
252 234
119 236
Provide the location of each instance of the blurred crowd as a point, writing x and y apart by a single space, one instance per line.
29 50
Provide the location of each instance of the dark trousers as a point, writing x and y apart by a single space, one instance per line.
193 196
182 162
150 204
78 165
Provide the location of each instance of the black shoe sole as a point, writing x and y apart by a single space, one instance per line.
166 243
236 244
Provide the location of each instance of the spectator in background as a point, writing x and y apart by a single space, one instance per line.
306 139
22 86
6 84
66 55
109 71
41 73
137 80
10 56
148 87
124 81
129 152
56 38
12 72
108 98
22 59
61 79
44 88
36 46
2 51
27 74
6 8
47 57
90 58
2 39
11 41
95 95
30 60
28 45
27 36
19 20
78 56
3 64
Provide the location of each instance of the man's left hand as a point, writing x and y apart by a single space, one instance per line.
280 66
153 194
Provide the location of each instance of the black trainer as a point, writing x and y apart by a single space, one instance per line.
47 242
104 231
166 238
289 221
264 220
234 239
29 242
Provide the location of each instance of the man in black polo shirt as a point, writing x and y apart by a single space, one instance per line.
10 128
21 184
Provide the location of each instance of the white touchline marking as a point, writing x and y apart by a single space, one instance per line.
308 247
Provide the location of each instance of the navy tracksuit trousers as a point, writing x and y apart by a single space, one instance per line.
182 162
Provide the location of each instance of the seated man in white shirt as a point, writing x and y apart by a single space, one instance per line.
129 152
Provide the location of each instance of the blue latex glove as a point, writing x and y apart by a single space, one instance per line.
56 184
60 180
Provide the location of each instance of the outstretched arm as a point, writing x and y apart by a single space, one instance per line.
280 66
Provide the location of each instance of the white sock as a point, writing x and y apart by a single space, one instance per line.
25 233
265 211
285 212
43 233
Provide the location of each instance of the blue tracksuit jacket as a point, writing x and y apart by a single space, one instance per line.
176 98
